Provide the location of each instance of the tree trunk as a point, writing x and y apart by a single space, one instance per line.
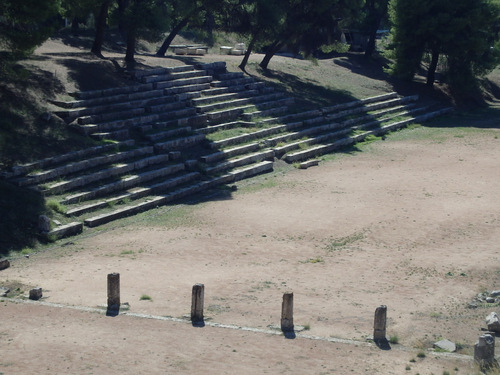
100 27
122 5
273 49
129 55
164 47
431 72
177 28
247 53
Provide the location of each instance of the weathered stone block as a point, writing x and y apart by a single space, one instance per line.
493 322
35 294
4 263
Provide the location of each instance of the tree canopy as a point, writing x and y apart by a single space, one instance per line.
26 24
463 32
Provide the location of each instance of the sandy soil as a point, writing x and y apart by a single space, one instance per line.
412 223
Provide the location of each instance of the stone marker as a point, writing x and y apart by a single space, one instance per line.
380 322
114 292
43 224
4 263
35 294
484 351
197 301
287 312
446 345
493 322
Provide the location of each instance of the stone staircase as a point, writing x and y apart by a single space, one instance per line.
175 132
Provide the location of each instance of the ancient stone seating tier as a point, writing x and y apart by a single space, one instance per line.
175 132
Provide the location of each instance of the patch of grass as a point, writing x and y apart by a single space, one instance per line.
127 252
315 260
56 206
394 339
421 355
146 297
344 241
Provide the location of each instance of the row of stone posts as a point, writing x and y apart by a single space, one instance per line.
484 349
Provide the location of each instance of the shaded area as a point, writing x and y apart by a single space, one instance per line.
19 209
383 344
307 94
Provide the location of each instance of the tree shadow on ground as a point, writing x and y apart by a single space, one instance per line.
308 95
19 209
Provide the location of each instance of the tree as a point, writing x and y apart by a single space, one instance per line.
375 12
100 27
147 19
28 23
464 32
309 25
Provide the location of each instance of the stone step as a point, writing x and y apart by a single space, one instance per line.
269 112
229 153
330 147
51 162
192 120
111 116
117 135
165 134
87 179
134 194
224 126
241 161
230 75
252 170
139 74
360 102
93 94
170 76
161 200
206 100
186 92
233 82
239 101
78 166
242 138
123 184
145 92
183 82
179 143
227 114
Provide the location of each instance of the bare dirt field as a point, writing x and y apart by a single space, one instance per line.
411 222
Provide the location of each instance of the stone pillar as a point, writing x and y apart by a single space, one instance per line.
484 351
379 325
287 312
197 301
114 292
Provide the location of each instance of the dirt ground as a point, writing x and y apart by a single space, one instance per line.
411 223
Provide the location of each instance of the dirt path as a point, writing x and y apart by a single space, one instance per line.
412 223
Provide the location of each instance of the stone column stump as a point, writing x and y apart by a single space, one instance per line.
380 322
287 313
114 292
484 351
197 301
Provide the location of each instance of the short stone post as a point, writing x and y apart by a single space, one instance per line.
287 313
379 325
484 351
114 292
197 301
35 293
